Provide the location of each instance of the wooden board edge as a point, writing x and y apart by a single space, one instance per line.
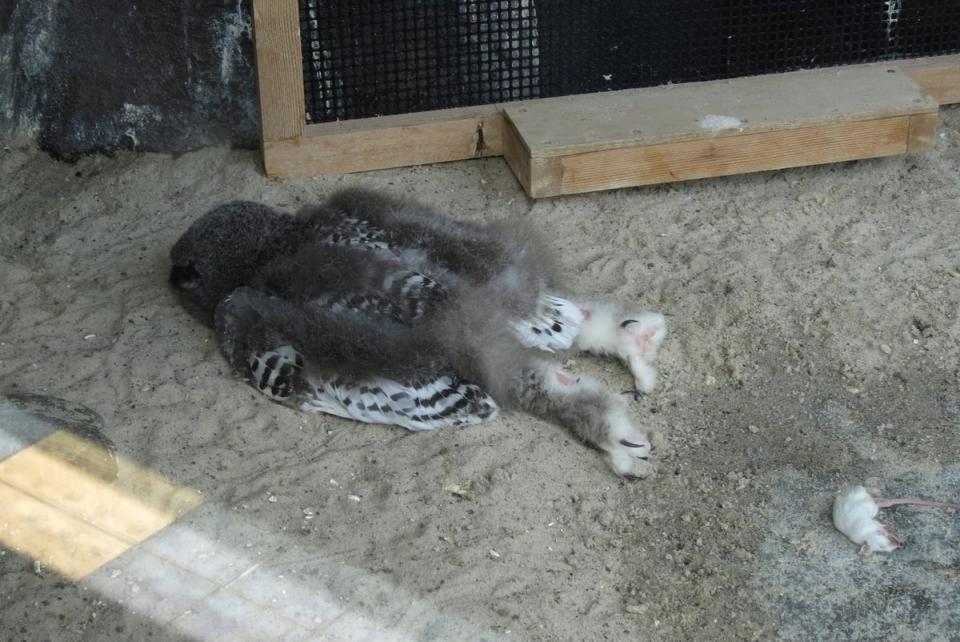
921 104
279 63
923 132
930 110
712 157
384 147
433 117
516 153
937 76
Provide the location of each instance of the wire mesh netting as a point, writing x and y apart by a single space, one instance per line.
366 58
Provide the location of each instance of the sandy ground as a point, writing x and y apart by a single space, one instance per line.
815 325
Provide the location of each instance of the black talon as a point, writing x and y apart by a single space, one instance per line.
637 394
624 442
633 477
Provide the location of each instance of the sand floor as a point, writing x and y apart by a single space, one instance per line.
814 342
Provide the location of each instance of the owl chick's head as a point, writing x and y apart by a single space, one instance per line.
225 249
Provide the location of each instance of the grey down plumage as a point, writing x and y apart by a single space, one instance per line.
380 310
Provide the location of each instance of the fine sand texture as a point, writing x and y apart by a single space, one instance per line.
814 334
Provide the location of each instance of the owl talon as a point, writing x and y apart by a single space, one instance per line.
638 395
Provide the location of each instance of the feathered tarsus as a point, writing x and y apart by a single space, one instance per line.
381 310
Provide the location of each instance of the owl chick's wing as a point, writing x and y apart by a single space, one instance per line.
400 295
508 262
414 233
341 363
352 279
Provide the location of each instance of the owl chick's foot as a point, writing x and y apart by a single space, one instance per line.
629 448
636 394
580 403
637 343
634 337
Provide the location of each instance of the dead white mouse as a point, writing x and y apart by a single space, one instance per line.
853 514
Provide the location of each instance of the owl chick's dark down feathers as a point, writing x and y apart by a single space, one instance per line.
383 311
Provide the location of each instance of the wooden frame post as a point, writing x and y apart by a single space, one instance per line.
283 117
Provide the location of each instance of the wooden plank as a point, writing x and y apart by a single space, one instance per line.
392 141
721 156
937 76
133 506
923 132
570 125
279 69
699 130
517 154
53 537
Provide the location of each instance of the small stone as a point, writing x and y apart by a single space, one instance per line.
885 349
854 390
636 609
353 498
817 197
463 491
605 517
456 560
272 499
494 554
711 380
753 429
87 337
309 513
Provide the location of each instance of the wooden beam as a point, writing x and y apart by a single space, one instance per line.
923 132
937 76
132 506
53 538
64 506
517 154
699 130
279 69
722 156
390 141
292 148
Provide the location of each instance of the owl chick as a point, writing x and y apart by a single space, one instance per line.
383 311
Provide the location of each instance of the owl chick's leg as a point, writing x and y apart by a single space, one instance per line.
581 404
634 337
552 327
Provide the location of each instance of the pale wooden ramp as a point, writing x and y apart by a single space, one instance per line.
62 507
678 132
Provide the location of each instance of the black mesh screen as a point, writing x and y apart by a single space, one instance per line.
377 57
